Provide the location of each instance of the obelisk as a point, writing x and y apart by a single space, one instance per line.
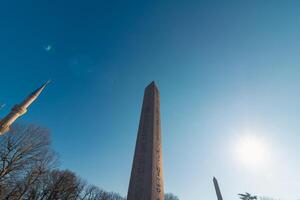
146 181
19 110
218 192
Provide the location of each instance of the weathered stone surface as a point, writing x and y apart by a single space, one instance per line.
146 181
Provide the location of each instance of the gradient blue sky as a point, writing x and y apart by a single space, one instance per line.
224 69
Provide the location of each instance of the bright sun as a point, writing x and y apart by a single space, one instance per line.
252 151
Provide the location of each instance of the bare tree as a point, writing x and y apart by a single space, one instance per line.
28 170
91 192
60 185
25 156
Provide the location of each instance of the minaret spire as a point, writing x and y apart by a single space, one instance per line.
217 188
20 109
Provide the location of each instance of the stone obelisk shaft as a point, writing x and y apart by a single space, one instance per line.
19 110
146 181
218 192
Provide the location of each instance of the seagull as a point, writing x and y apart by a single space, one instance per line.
48 48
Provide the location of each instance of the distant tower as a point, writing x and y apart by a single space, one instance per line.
146 181
218 192
19 110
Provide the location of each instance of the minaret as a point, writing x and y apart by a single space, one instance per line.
218 192
146 181
19 109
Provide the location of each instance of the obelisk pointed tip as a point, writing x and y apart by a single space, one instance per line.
152 85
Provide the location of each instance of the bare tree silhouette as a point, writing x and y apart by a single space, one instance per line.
28 170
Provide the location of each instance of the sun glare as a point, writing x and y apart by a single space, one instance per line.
252 151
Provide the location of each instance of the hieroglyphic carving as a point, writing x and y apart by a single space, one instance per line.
158 167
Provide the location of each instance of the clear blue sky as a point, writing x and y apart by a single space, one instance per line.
225 70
